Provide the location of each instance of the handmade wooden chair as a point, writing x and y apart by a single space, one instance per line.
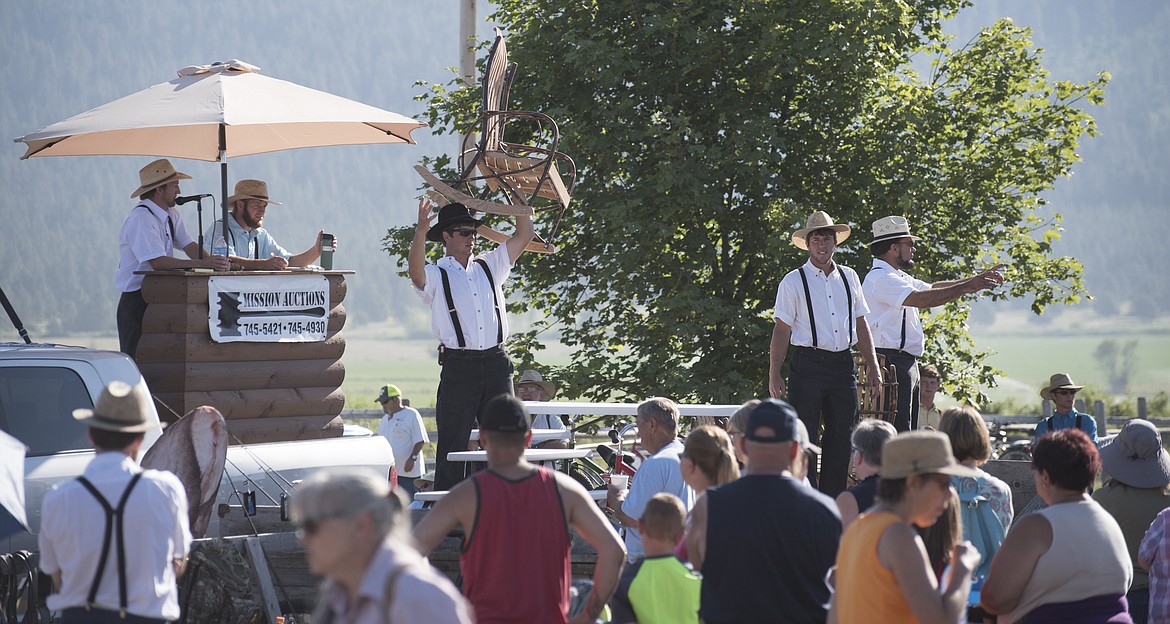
882 403
509 178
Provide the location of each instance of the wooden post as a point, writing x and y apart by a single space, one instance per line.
1100 416
1045 408
1141 406
263 577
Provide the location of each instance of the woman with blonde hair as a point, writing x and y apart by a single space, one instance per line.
707 461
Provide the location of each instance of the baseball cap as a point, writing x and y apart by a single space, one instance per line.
773 414
920 452
505 413
802 435
389 391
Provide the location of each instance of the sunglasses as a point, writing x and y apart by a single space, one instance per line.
464 231
308 527
1064 392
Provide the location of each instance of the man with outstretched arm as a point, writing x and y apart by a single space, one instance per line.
465 293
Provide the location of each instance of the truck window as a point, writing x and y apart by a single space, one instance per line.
36 407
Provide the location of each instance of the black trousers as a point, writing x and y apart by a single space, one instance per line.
906 370
468 381
131 309
823 388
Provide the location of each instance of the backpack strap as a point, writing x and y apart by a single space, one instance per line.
812 320
113 515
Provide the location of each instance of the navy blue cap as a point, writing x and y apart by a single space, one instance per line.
507 414
776 415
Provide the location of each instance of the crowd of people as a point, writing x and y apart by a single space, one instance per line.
757 522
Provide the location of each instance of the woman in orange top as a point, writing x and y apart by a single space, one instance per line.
883 573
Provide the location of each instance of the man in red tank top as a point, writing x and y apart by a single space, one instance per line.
515 517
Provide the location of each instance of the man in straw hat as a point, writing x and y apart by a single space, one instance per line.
249 245
1063 393
820 311
147 242
894 298
116 538
533 387
505 512
464 292
768 540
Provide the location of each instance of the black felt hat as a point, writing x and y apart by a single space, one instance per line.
451 214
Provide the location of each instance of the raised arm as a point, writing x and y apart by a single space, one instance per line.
523 236
417 258
947 291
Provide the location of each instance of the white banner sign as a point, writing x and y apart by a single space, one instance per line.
268 308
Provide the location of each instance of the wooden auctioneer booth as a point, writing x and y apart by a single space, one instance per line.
267 390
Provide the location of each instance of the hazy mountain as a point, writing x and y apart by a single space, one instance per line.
61 215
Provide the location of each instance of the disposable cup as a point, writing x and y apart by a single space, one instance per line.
620 481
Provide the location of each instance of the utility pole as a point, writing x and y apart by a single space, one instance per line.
466 38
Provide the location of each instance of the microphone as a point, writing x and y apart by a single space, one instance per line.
179 201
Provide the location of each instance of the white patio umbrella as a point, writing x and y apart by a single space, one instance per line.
216 112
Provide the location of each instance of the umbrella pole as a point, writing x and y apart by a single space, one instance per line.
223 179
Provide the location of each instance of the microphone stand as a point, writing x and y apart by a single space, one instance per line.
199 210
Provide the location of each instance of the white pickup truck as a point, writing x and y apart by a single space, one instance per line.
41 385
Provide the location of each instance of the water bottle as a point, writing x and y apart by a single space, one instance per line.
327 252
219 247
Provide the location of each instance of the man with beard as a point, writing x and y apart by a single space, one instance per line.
894 298
464 292
151 233
250 246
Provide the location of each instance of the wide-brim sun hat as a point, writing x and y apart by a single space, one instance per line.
1135 456
155 175
820 220
451 214
251 189
891 228
120 407
534 377
920 452
1059 381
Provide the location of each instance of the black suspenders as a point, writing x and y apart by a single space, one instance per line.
113 514
812 321
455 316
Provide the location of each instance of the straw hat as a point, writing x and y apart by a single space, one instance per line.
817 221
157 174
120 407
888 228
534 377
251 189
1059 381
920 452
1135 456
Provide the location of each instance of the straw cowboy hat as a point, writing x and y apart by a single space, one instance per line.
1135 456
920 452
534 377
889 228
120 407
451 214
252 189
1059 381
817 221
157 174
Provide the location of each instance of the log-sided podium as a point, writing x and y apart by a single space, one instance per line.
267 391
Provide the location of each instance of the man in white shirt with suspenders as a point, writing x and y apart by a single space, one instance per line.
820 311
116 539
149 236
466 298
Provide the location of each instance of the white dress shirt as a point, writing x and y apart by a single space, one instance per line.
886 288
830 306
145 236
155 533
472 297
403 430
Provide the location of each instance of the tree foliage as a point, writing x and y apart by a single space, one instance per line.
706 132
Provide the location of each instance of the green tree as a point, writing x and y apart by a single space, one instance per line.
706 132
